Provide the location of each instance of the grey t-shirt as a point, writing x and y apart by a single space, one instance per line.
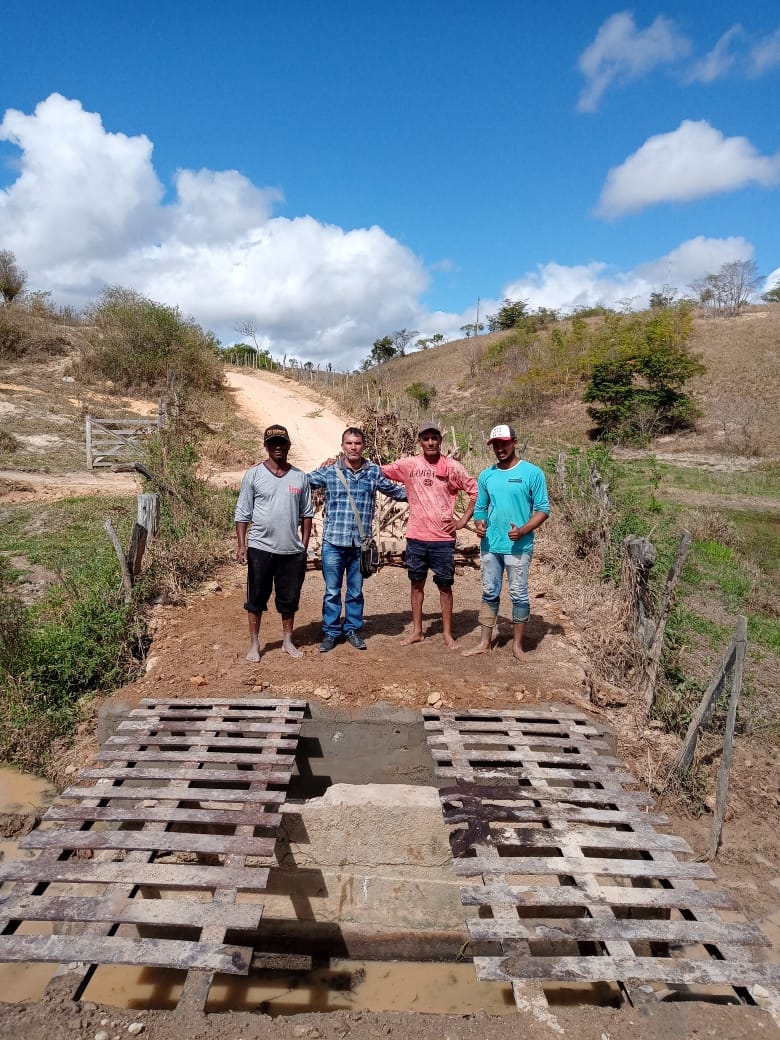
274 506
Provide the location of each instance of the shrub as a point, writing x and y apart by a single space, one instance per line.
422 393
139 344
640 364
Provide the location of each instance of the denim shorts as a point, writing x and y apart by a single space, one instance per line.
438 556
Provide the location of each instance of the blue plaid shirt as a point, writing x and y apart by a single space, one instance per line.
340 526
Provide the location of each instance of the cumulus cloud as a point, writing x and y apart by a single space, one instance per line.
720 60
566 288
87 210
622 53
691 162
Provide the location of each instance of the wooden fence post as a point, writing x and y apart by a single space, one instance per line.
654 651
722 792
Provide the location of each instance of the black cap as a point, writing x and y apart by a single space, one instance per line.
276 433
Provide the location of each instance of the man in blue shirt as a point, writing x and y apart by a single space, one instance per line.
511 504
341 538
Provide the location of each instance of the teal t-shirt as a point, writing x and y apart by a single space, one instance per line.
509 496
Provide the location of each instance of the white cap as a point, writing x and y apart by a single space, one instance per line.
501 433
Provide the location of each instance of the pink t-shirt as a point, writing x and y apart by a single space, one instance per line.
431 491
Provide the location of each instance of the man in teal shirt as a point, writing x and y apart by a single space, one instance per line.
511 503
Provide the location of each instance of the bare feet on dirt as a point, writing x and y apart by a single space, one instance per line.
415 637
480 648
289 648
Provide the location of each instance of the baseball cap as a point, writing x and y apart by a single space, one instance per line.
276 433
503 432
428 426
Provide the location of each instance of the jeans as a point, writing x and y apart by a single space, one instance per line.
336 560
517 567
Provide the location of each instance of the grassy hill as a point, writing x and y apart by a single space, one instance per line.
739 394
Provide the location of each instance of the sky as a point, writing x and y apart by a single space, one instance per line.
334 171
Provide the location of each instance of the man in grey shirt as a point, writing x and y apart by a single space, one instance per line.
275 498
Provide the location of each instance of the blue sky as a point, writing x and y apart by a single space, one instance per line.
335 171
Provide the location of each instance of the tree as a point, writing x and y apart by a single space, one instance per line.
472 328
401 339
729 291
424 343
773 295
639 376
12 278
383 350
509 316
663 297
437 338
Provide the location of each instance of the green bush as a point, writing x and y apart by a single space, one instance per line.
640 363
422 393
139 344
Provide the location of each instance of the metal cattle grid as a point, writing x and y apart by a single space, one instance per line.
178 817
572 881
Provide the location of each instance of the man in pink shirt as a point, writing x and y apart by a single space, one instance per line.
432 483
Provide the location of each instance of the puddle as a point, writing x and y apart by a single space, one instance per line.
22 795
434 989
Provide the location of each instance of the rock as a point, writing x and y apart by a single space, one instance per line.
101 1035
199 680
135 1028
656 724
323 693
70 770
434 698
151 662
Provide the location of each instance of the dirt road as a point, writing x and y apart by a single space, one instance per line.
266 397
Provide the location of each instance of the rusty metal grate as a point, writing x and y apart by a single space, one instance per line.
177 818
574 884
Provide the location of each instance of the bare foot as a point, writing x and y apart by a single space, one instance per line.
450 643
480 648
415 637
517 651
291 649
254 654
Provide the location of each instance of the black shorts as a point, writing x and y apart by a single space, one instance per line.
282 572
439 556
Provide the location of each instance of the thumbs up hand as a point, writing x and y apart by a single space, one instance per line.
514 532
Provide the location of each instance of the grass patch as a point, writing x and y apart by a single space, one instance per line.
81 638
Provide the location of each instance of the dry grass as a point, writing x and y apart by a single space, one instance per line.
740 391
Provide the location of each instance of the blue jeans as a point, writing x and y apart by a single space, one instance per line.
517 567
336 560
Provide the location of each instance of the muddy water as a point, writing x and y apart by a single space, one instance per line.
22 795
436 989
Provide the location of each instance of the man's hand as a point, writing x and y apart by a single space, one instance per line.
480 526
515 533
241 554
460 523
331 461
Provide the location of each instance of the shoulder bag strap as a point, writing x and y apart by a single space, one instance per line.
343 480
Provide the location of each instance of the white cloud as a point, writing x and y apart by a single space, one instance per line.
566 288
765 54
691 162
86 211
772 280
720 60
622 53
80 188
